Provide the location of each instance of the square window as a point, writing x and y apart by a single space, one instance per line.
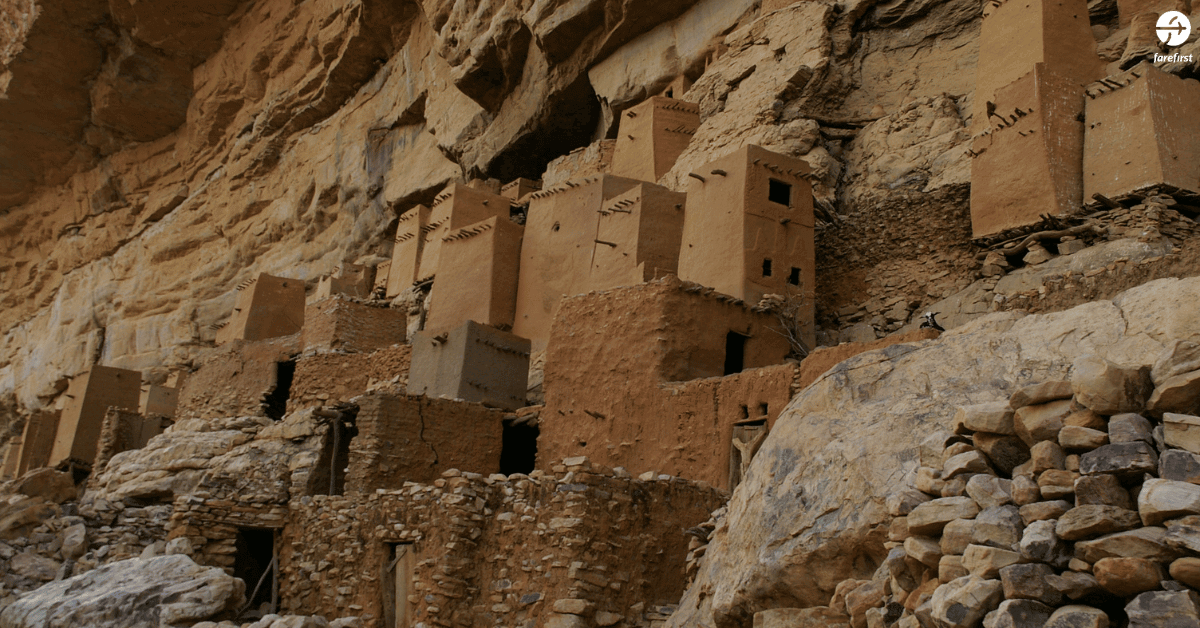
780 192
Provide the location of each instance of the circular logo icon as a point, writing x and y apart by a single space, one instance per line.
1173 28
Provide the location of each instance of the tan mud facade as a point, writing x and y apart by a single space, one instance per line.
89 397
477 277
652 136
643 378
267 308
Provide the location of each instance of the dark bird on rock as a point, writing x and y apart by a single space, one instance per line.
931 322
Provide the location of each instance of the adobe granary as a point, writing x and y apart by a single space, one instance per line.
89 397
664 376
1016 36
652 136
352 280
472 362
477 277
420 231
592 234
1029 162
748 231
1147 112
266 307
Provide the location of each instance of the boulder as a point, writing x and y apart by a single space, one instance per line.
137 592
1184 533
1040 543
1077 616
995 417
929 518
1083 522
1108 388
34 566
1126 460
1025 490
1149 543
1004 452
1074 584
1041 393
998 527
1018 613
1160 609
1102 489
1180 394
1077 438
1179 465
1124 577
957 535
968 462
925 550
962 603
1187 571
951 568
1057 483
1129 428
816 617
1182 430
74 541
1028 582
1179 357
1046 455
986 562
51 485
1042 511
1167 499
789 537
1034 424
989 491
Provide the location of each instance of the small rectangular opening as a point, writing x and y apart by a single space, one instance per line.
518 448
766 268
780 192
763 409
735 352
255 564
745 412
794 276
276 401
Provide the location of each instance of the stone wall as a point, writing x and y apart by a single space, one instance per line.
562 548
415 438
340 324
234 379
330 377
123 430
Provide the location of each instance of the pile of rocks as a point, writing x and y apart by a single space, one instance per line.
1074 504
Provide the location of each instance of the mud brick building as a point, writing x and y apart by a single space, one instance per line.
565 252
326 378
89 397
749 228
652 136
406 250
1149 113
477 277
36 442
241 379
403 438
267 307
577 544
339 324
352 280
656 377
457 206
1016 36
1030 163
473 363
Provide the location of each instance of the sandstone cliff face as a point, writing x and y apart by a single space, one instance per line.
811 510
193 145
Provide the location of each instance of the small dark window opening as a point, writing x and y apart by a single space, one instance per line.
254 554
555 227
276 400
735 352
329 474
763 409
670 93
518 448
745 412
780 192
766 268
794 276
